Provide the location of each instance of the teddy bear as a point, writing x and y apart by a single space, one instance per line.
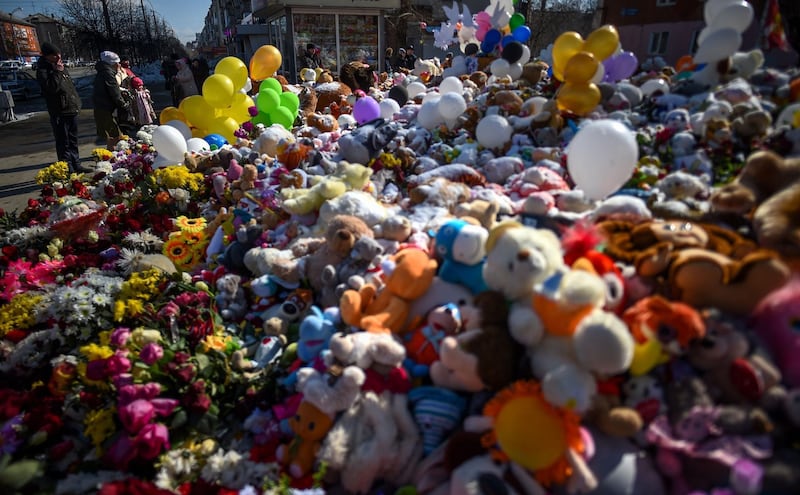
393 231
367 140
267 142
291 310
350 273
315 415
732 373
230 297
247 236
380 355
483 356
245 182
481 211
768 185
408 275
347 177
461 248
702 265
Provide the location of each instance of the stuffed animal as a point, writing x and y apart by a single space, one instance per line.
483 211
316 415
292 309
732 373
768 185
267 142
662 330
437 412
461 247
230 298
245 182
483 356
408 275
367 141
702 265
518 259
314 335
349 274
775 322
247 236
423 343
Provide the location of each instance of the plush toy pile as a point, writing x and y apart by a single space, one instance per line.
444 288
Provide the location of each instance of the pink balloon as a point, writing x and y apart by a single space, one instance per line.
366 109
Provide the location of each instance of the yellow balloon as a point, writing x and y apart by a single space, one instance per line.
218 90
225 127
170 113
581 68
265 62
240 108
579 99
565 46
796 119
197 110
603 42
235 69
199 133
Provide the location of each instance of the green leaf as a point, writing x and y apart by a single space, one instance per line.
179 419
15 476
203 362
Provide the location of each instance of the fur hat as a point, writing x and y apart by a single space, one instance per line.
109 57
50 49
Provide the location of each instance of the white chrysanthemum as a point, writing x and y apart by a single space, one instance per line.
100 299
145 241
179 462
214 466
84 293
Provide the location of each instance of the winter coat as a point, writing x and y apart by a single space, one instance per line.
106 94
185 78
58 89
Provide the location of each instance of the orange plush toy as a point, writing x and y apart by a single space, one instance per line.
386 310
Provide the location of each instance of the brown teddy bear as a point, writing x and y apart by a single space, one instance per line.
341 235
332 92
769 187
386 310
484 356
702 265
245 182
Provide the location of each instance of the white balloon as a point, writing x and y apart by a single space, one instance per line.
451 105
169 142
415 88
451 84
713 7
599 74
499 67
786 116
718 45
431 97
515 71
493 131
248 85
181 126
737 16
429 116
197 145
601 157
652 85
526 55
703 35
389 107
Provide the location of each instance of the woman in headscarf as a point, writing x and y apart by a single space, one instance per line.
185 80
107 98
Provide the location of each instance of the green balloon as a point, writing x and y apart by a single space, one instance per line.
282 116
271 83
290 101
262 118
267 100
516 21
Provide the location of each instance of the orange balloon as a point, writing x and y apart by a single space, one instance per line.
170 113
579 99
603 42
581 68
565 46
684 63
265 62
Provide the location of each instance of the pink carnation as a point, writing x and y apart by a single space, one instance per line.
151 353
136 415
151 439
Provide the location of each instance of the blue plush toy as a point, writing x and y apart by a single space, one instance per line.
462 249
315 333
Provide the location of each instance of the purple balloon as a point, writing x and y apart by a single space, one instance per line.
620 66
366 109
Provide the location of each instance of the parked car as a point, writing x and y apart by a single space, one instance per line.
21 84
11 64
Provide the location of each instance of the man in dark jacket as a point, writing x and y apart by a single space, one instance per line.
107 98
63 104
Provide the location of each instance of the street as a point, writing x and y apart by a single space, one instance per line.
27 144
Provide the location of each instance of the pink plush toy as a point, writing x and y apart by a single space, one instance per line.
776 321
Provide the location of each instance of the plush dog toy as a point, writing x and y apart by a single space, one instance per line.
461 246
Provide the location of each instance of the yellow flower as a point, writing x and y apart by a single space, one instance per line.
191 225
135 307
58 171
215 342
101 154
176 250
104 337
119 310
19 313
93 351
99 426
178 176
143 336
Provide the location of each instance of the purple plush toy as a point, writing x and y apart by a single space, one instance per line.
776 321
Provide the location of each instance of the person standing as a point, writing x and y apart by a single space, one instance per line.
184 80
200 70
63 104
411 59
107 98
311 57
142 107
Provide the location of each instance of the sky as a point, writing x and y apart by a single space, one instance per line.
185 16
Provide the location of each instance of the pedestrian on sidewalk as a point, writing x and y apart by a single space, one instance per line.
184 80
200 70
63 104
107 98
142 103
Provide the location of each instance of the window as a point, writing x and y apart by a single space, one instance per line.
658 43
665 3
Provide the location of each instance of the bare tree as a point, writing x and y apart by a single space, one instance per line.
547 19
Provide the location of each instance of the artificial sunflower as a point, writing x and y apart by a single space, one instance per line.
176 250
531 432
193 225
